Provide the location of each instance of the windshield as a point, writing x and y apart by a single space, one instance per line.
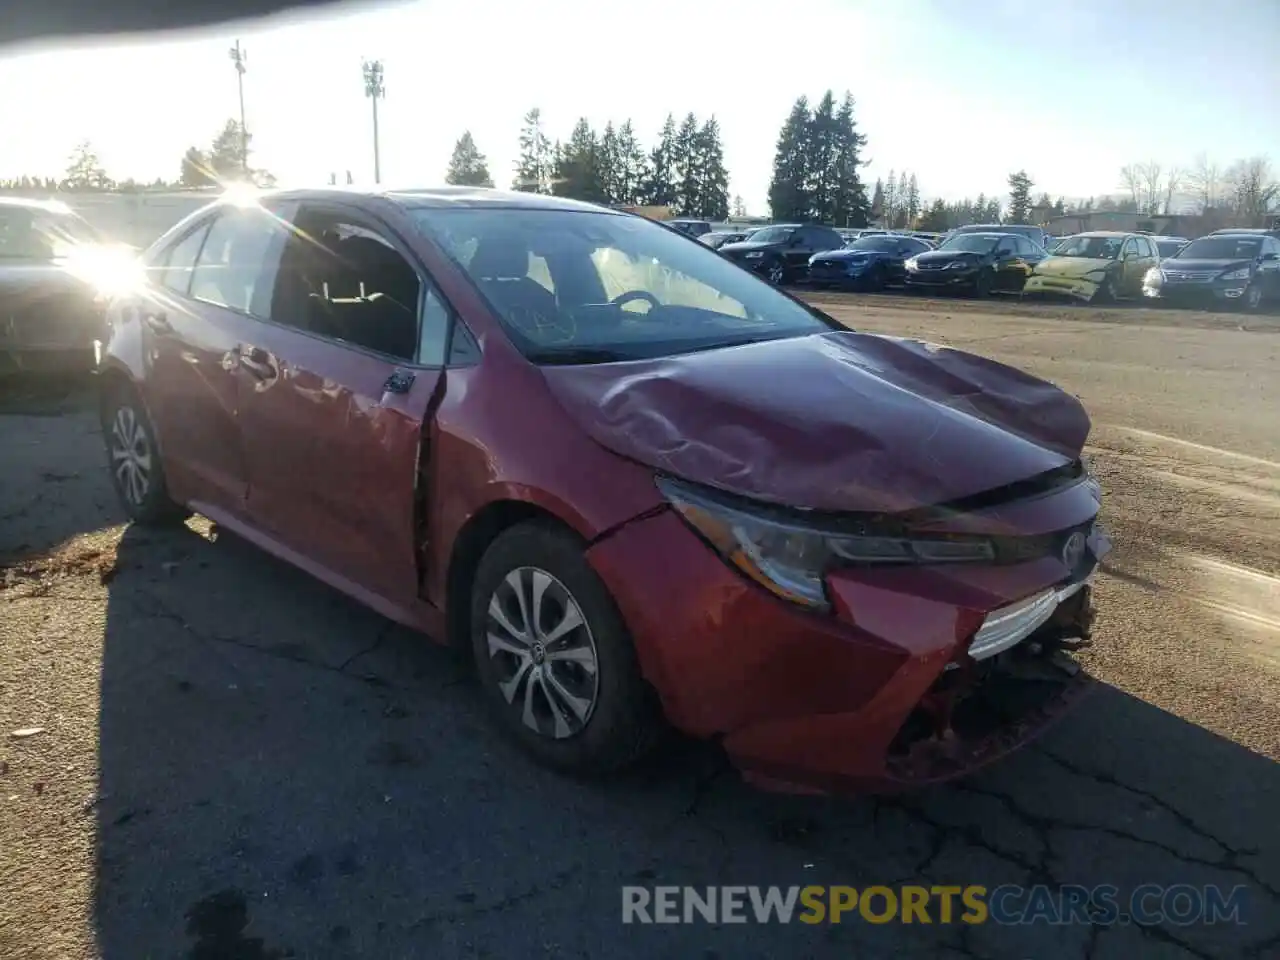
971 243
1221 248
1168 248
574 287
773 235
888 244
35 234
1090 248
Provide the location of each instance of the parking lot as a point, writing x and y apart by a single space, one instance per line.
229 760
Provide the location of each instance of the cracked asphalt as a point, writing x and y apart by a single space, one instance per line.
233 762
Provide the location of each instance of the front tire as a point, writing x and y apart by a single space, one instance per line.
777 274
1251 301
554 658
133 459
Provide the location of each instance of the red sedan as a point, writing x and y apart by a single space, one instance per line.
638 482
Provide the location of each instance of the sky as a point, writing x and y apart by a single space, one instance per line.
960 95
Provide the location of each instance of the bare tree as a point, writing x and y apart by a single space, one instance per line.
1131 180
1205 179
1255 189
1150 172
1172 184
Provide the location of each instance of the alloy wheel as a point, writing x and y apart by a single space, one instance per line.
131 456
543 652
777 274
1253 297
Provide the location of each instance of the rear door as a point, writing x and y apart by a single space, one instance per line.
334 391
212 281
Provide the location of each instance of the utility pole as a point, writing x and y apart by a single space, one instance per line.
239 57
375 90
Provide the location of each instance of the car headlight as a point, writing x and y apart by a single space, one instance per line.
790 558
1154 275
1242 274
753 255
911 264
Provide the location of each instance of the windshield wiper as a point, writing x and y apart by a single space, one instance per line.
572 355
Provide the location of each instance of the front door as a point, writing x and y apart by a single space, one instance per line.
1134 266
334 392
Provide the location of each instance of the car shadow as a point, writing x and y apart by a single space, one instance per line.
283 773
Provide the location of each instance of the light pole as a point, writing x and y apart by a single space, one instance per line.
375 90
239 57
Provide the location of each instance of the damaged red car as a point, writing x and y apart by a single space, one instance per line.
641 485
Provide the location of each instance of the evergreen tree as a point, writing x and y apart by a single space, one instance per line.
850 207
890 200
229 153
713 187
935 219
911 201
1019 196
739 206
788 190
467 166
661 189
686 172
195 170
820 166
85 170
877 201
633 170
578 168
609 165
534 167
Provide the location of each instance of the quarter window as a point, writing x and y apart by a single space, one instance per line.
175 275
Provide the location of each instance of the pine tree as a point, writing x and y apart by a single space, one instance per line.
686 172
739 206
850 207
467 166
935 219
534 167
911 201
229 154
195 169
820 166
877 201
1019 196
713 187
85 170
578 167
609 165
633 172
890 200
661 190
788 190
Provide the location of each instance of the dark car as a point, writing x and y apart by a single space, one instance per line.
694 228
1239 268
1037 235
868 263
53 268
716 240
975 263
781 252
635 482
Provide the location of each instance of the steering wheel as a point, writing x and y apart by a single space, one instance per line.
629 295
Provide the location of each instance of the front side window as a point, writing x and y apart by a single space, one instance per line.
574 286
235 264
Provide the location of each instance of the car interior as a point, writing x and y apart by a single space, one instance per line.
342 281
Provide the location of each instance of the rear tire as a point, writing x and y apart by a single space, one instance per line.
133 460
554 658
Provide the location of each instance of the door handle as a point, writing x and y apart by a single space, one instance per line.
157 320
257 361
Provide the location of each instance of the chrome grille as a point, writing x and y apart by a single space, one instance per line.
1189 276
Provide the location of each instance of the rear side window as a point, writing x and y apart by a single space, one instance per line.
180 261
236 266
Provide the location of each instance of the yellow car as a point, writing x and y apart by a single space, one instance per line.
1095 267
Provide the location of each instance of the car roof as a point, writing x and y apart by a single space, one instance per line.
444 197
1242 234
1112 233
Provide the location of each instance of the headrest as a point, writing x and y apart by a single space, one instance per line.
500 258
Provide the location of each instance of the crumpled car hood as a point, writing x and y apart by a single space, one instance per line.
1072 268
842 421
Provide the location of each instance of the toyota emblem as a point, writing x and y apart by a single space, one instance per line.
1073 550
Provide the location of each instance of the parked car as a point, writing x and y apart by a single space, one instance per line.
1037 235
54 271
1169 246
694 228
975 263
781 252
386 389
716 240
1240 268
869 263
1096 267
